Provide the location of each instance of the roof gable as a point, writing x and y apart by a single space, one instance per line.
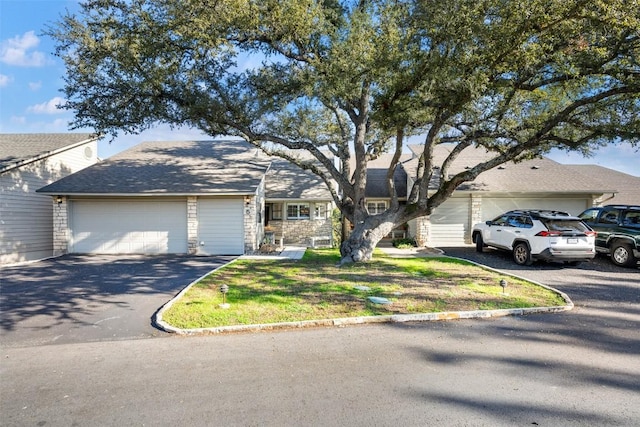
18 149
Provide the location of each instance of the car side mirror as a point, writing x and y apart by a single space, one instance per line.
489 222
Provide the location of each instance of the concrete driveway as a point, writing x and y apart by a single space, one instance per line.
82 298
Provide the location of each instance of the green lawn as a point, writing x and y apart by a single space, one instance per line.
273 291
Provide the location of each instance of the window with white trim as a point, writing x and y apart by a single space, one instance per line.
298 211
375 208
320 211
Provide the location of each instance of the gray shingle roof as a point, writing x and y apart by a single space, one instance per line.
176 167
287 181
627 186
377 177
530 176
19 148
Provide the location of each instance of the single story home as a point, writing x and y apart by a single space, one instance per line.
28 162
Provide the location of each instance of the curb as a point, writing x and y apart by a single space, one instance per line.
347 321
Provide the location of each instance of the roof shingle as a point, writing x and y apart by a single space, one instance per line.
180 167
18 148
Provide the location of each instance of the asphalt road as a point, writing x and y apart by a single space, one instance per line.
569 369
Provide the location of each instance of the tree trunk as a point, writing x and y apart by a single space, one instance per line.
363 239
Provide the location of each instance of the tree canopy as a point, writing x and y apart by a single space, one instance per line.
353 79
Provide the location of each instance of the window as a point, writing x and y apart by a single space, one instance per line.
298 211
610 217
589 215
276 211
320 211
375 208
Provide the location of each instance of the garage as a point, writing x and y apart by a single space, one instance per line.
128 226
492 207
220 226
449 223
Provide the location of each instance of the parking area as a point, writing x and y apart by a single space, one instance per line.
81 298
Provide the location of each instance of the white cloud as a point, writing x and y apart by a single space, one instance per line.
5 80
34 86
19 51
49 107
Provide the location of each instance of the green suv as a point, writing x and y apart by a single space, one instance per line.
618 228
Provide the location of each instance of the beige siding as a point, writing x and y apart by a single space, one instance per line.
26 227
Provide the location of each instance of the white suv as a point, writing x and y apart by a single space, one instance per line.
538 235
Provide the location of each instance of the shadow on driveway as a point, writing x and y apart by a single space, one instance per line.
81 298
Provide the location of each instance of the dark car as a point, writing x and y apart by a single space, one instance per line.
618 228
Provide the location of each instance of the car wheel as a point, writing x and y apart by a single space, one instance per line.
522 254
479 243
622 255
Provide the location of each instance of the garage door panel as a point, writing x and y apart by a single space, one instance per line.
493 207
449 223
220 226
129 227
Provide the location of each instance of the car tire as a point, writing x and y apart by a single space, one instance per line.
622 255
522 254
479 243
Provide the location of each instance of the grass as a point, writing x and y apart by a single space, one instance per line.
273 291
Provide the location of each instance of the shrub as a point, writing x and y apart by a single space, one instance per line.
404 243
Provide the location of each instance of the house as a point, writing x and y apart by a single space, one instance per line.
298 206
195 197
227 197
28 162
532 184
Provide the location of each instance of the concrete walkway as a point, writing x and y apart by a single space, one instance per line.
289 252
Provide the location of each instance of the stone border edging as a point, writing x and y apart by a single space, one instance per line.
345 321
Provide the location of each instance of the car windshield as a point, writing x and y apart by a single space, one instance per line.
565 225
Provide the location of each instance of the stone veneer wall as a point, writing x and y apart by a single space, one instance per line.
253 212
301 231
60 227
192 225
422 231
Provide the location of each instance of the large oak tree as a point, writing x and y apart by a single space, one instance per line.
353 79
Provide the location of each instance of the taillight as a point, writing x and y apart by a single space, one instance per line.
546 233
590 233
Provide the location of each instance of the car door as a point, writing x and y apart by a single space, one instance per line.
497 233
605 224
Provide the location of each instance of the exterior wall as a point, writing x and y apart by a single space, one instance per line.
26 225
300 232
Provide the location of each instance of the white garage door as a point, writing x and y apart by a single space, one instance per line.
129 227
449 223
220 227
492 207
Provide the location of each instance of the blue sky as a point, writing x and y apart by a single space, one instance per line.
31 79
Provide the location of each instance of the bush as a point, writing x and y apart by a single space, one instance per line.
404 243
